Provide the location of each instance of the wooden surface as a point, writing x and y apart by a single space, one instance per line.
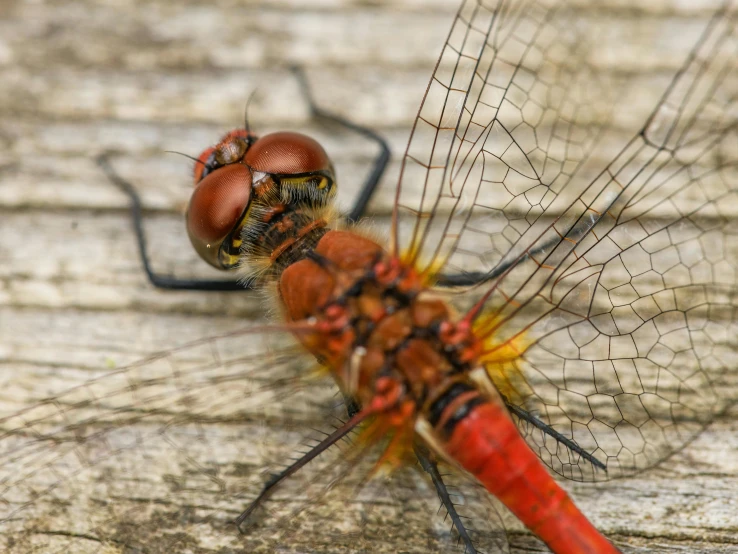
138 78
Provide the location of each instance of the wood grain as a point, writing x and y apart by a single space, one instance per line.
137 78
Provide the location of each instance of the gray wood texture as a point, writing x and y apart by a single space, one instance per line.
137 78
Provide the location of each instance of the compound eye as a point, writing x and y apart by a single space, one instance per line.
287 153
204 164
216 212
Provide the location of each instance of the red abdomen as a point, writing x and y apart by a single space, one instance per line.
487 444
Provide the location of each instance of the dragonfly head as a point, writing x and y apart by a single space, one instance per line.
243 171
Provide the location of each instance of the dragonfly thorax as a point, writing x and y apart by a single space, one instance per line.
374 320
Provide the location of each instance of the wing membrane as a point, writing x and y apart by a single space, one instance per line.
102 458
626 302
506 121
613 275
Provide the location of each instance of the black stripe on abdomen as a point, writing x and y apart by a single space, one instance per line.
445 402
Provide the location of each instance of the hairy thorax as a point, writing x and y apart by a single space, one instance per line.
371 316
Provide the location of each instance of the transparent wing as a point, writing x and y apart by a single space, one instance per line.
164 454
508 118
612 275
623 302
122 457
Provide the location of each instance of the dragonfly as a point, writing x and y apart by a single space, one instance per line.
598 297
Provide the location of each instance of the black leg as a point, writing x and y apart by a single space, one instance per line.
352 406
380 162
476 277
551 432
431 467
298 464
426 462
581 229
160 281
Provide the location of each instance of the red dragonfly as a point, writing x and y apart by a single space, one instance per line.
535 305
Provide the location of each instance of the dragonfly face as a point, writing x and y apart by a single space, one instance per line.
244 182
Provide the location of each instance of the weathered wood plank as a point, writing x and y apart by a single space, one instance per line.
77 78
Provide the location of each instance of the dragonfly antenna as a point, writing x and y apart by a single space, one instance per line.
185 155
246 124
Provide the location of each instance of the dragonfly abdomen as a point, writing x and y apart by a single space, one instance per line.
482 438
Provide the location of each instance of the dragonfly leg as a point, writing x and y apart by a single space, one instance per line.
380 161
476 277
156 279
576 233
352 406
550 431
431 467
306 458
